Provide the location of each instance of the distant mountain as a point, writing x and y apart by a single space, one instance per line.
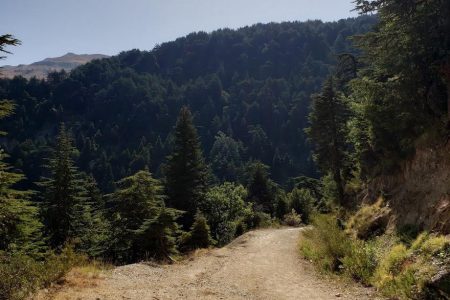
40 69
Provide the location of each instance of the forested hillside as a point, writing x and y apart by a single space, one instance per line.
150 155
248 89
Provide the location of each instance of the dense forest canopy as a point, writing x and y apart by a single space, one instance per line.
248 89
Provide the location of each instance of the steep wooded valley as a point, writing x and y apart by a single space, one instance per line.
152 155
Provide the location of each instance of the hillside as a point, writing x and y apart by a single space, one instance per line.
203 141
41 69
249 91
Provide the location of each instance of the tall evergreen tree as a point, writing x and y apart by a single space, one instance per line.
20 228
260 190
403 89
65 202
95 236
327 132
186 172
137 212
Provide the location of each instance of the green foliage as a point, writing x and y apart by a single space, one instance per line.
226 158
282 206
65 208
199 236
398 271
325 244
137 212
328 132
302 202
255 87
7 40
369 221
330 194
157 237
224 207
6 109
292 218
20 228
261 190
403 89
96 235
186 173
22 275
405 272
361 261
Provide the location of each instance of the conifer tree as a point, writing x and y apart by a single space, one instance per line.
157 236
138 213
65 207
199 236
327 132
94 239
20 228
261 188
186 172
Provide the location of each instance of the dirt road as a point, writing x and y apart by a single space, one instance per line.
262 264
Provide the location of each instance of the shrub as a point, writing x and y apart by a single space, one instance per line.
281 207
405 273
302 202
223 207
369 221
325 244
19 276
361 261
386 262
199 236
434 245
292 218
261 219
241 228
255 219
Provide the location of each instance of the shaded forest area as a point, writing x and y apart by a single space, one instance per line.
249 91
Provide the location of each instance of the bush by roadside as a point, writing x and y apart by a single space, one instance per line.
397 270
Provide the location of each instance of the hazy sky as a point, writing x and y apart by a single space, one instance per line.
50 28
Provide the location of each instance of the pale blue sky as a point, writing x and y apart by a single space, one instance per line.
50 28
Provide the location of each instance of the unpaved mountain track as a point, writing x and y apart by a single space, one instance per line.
262 264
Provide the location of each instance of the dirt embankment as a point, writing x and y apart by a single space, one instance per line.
419 193
262 264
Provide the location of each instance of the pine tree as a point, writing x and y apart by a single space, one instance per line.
20 228
157 236
327 132
199 236
7 40
65 207
261 188
186 172
136 206
94 239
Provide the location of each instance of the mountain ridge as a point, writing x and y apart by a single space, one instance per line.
41 69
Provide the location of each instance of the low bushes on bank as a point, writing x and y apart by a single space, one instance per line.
21 275
396 269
